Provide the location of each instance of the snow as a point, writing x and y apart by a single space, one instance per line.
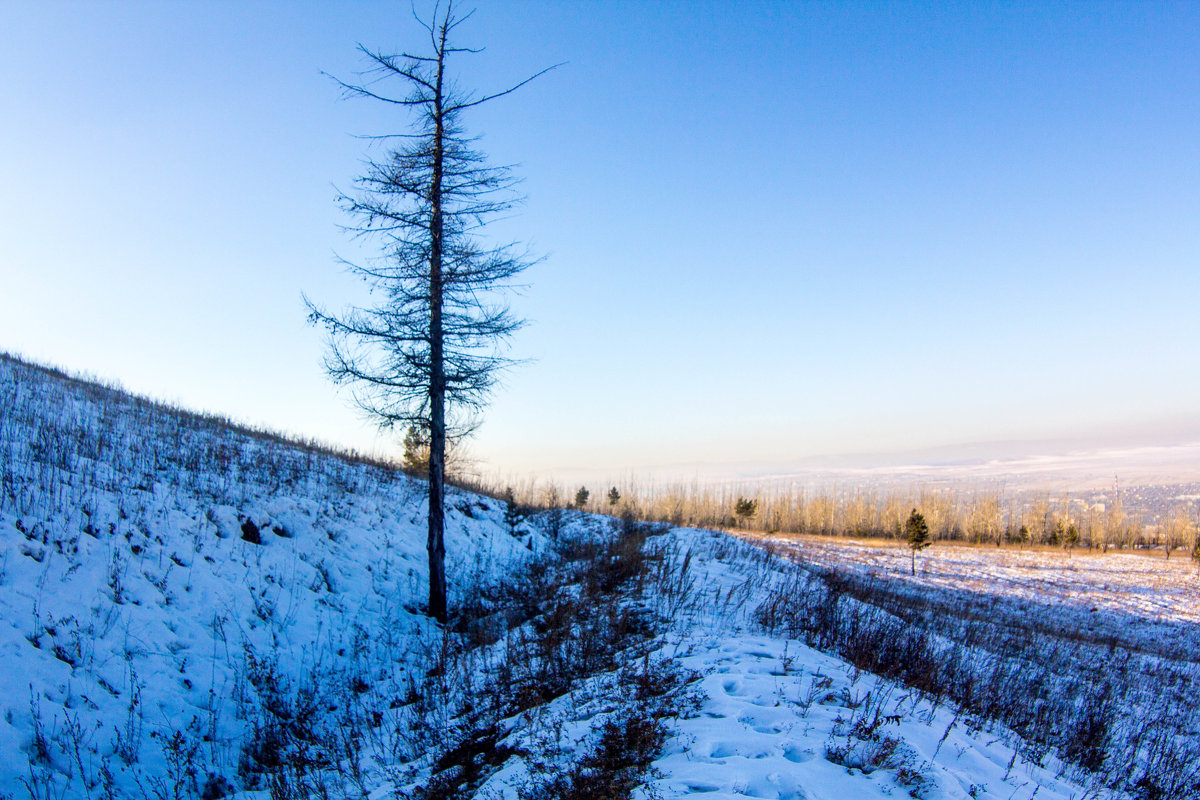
143 632
775 707
132 604
1151 602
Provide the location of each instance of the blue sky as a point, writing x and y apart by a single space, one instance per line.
774 231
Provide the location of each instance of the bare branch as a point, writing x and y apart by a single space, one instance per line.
510 90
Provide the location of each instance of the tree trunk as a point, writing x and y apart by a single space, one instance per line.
437 374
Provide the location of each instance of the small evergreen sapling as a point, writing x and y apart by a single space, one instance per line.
744 508
1070 538
916 532
512 512
416 451
581 497
614 496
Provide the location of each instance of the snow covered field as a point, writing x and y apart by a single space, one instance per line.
1095 655
187 610
1145 601
1145 586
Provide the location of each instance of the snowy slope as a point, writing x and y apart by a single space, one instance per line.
156 566
782 720
189 610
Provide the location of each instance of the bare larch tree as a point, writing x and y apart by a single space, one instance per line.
428 352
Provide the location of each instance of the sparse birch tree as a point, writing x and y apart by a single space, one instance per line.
983 523
428 352
1114 523
1173 532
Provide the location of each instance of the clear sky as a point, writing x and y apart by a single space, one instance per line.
774 231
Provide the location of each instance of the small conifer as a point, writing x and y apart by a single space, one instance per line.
416 451
745 508
512 512
1071 537
916 531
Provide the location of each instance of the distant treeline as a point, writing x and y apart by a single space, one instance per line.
978 517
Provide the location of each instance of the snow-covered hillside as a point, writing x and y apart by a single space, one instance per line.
190 610
160 569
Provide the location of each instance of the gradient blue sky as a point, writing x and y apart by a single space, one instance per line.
774 231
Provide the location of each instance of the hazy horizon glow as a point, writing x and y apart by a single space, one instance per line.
774 232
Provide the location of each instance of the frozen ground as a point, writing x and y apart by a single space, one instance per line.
193 611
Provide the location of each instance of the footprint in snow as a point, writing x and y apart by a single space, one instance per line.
723 750
797 755
760 789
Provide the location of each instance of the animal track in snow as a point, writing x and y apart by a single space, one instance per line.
797 755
